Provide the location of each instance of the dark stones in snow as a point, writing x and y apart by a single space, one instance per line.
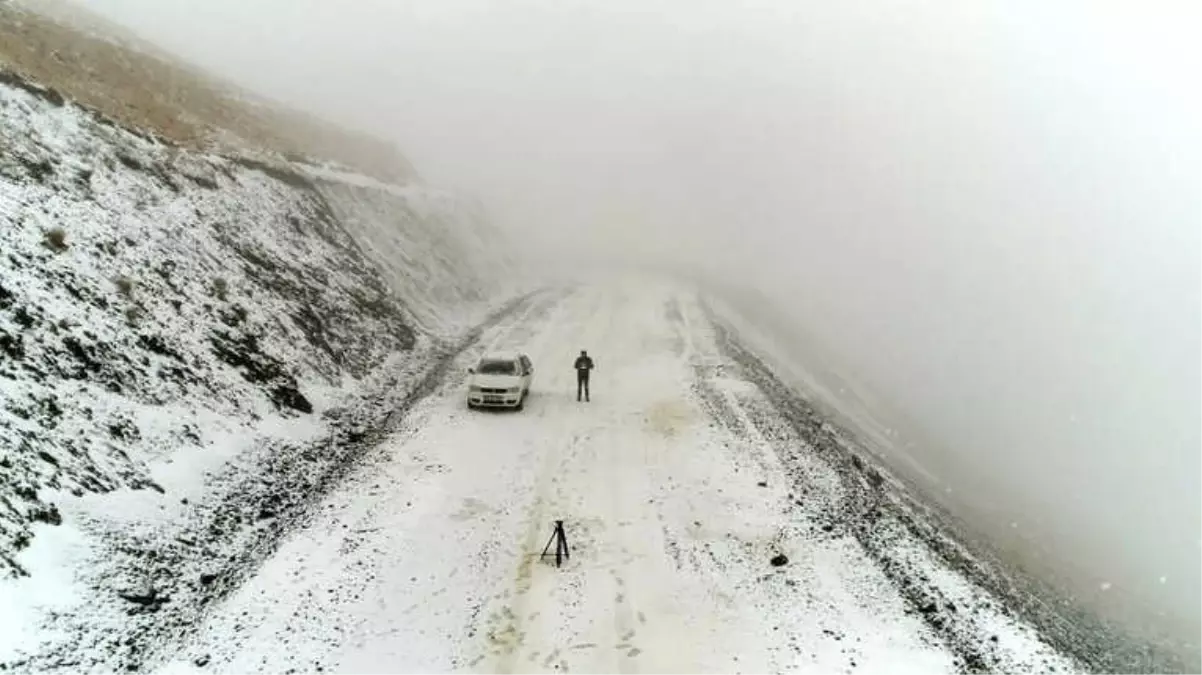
26 492
145 597
832 634
23 318
779 560
12 346
244 353
124 430
44 93
46 514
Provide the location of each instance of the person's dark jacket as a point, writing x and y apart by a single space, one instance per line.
583 365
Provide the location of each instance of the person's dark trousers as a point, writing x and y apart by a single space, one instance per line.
582 385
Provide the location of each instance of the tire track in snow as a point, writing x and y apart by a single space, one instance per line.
612 488
543 600
506 635
516 335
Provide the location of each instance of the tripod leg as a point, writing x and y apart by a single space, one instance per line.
563 541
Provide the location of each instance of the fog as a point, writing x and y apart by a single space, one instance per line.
989 213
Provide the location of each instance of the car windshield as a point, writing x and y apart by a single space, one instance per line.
497 368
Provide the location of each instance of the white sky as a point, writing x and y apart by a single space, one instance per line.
991 209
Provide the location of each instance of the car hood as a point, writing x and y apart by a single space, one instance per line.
497 381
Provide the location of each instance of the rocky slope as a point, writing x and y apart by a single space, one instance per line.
164 308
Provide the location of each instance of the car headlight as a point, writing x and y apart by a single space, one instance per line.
475 388
514 390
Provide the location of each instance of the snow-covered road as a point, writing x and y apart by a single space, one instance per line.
675 499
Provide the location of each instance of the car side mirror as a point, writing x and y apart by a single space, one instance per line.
471 371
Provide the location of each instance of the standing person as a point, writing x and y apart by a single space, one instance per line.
583 365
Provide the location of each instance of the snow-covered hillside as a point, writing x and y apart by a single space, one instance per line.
434 242
163 311
232 432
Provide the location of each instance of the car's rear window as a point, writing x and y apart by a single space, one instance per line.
497 368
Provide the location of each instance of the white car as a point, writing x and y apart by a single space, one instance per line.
500 381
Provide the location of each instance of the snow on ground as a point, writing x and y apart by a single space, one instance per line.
129 573
190 344
233 418
678 484
158 304
837 394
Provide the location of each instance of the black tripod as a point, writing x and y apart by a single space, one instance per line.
561 544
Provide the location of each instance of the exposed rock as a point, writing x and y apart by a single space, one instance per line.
46 514
145 596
